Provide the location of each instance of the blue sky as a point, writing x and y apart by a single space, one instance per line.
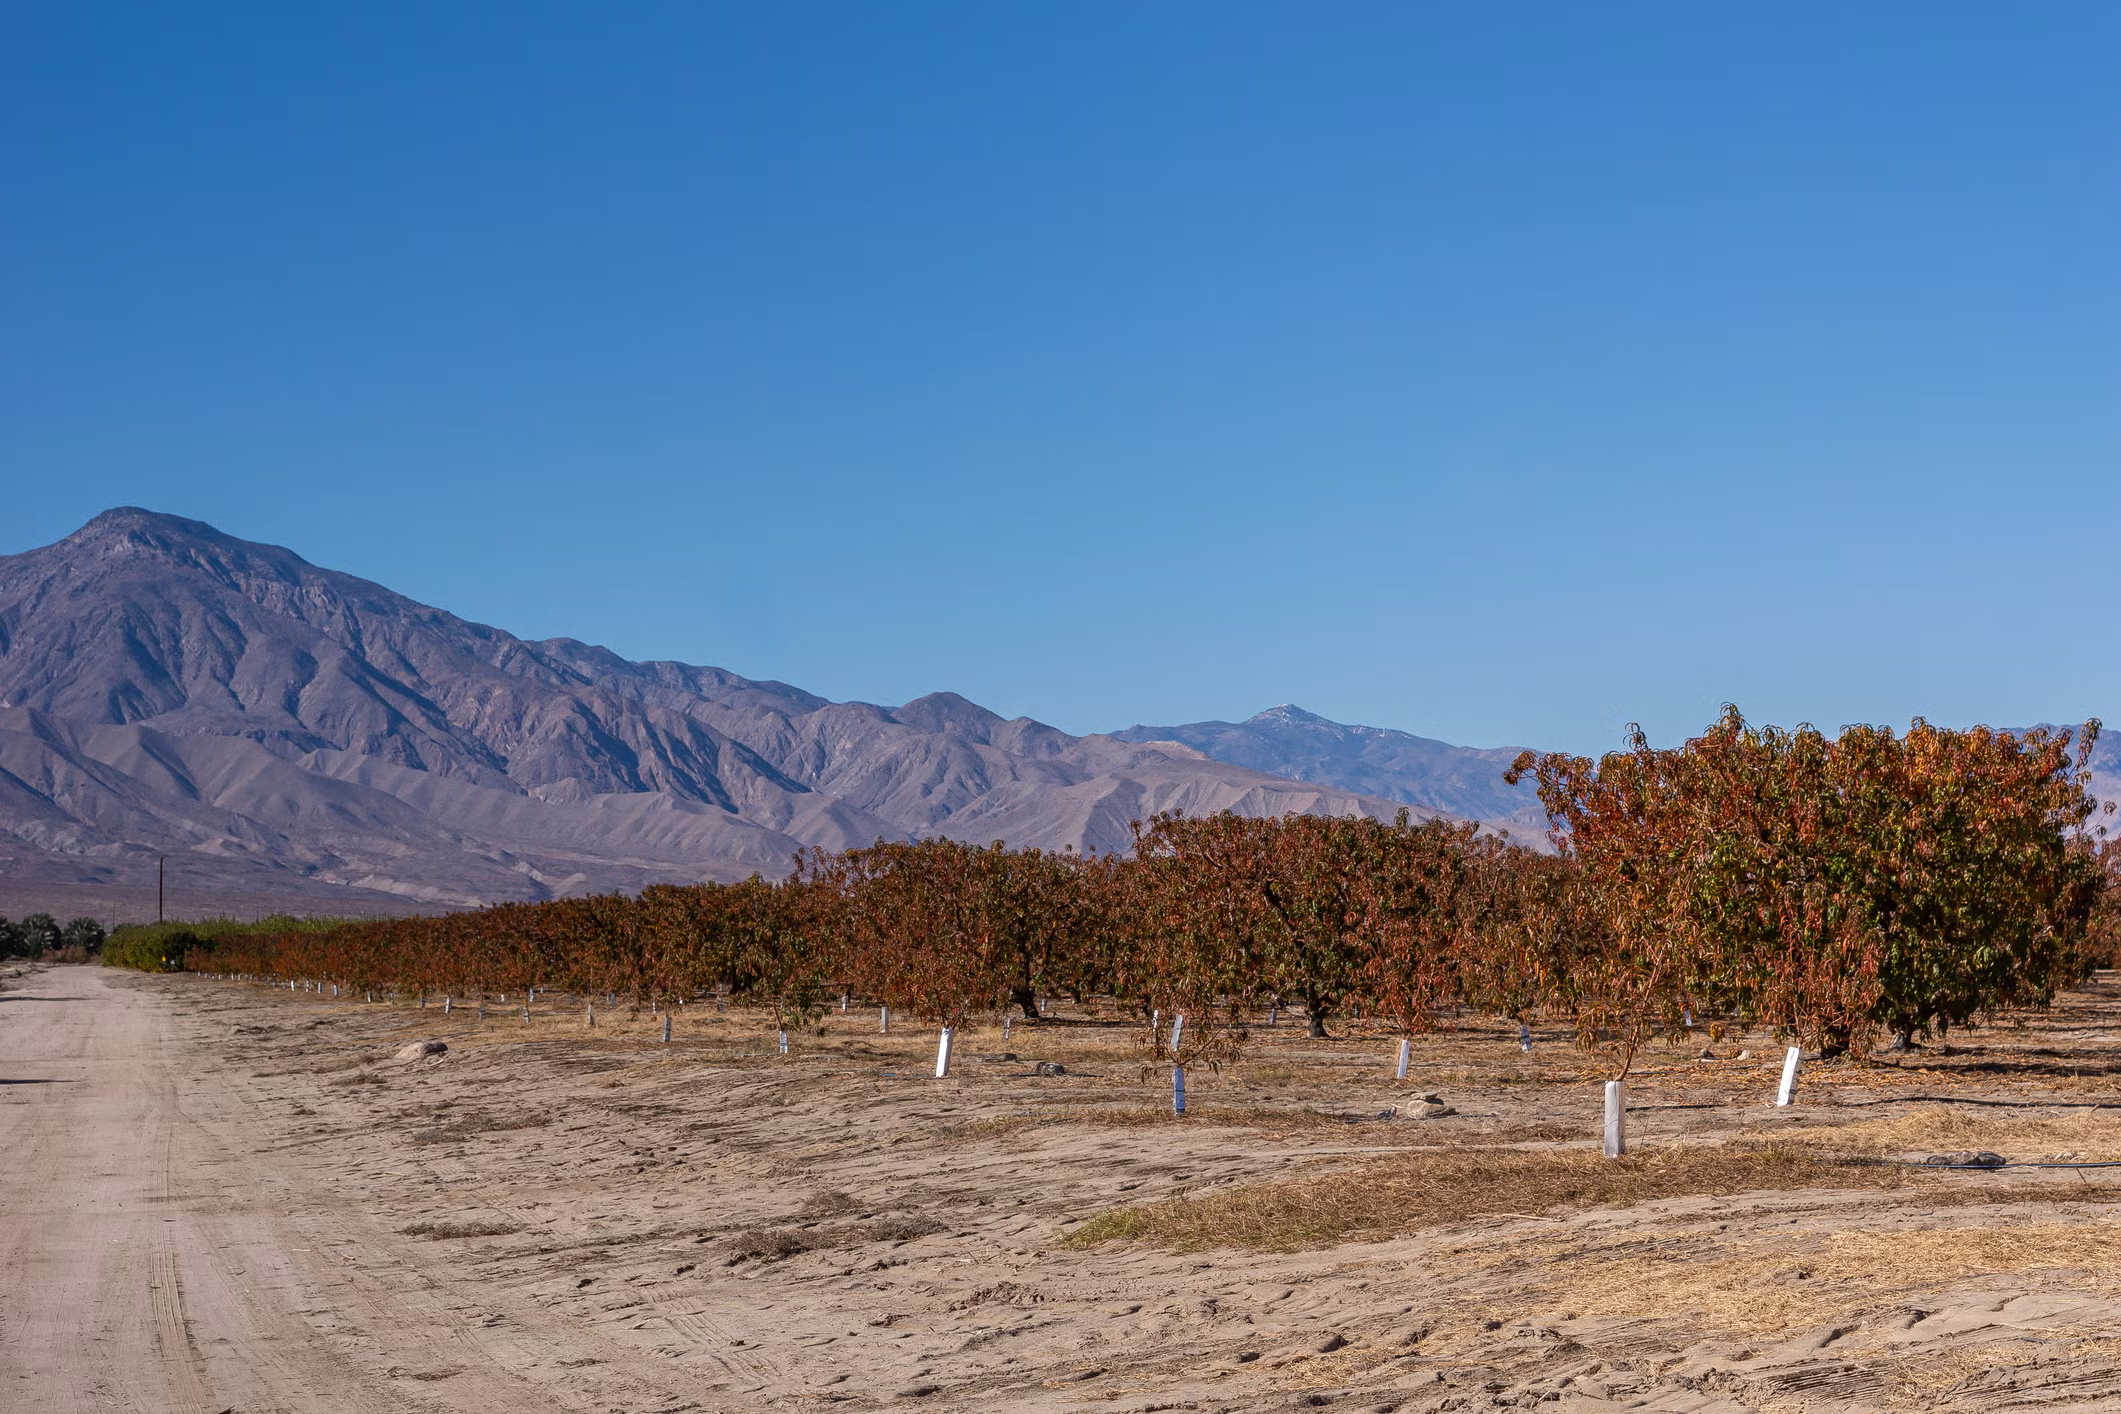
1503 374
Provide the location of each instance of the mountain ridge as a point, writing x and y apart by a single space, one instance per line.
1419 772
281 730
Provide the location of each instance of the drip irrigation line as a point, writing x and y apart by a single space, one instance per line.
1984 1168
2107 1104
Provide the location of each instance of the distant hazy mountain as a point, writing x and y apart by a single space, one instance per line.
1435 776
290 736
1432 776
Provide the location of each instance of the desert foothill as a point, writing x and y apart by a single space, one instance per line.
1092 709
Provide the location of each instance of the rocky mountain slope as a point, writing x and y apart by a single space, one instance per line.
292 736
1428 775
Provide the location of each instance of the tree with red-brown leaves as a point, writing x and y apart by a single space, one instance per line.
1527 926
1831 888
919 936
1311 907
1424 900
782 943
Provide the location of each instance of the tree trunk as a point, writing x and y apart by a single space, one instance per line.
1316 1010
1027 999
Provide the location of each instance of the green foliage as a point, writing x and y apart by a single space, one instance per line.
163 947
150 947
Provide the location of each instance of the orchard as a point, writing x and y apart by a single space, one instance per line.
1846 893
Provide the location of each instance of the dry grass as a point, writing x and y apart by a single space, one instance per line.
1549 1131
774 1244
1925 1380
2087 1135
475 1229
831 1204
1765 1287
471 1126
1955 1253
1264 1119
1437 1188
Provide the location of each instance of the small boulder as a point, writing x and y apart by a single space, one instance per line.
420 1050
1049 1068
1967 1159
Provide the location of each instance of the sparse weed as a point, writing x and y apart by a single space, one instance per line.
1434 1189
466 1229
774 1244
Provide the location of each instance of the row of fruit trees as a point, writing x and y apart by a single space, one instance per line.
1844 891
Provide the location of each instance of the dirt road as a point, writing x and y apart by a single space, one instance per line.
164 1250
185 1232
221 1197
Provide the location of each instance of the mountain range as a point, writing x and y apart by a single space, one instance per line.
291 737
1421 773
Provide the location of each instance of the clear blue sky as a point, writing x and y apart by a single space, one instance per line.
1501 373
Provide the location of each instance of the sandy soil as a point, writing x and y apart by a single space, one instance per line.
224 1197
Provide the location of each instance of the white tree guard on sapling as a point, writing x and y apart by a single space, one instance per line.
1616 1118
1787 1091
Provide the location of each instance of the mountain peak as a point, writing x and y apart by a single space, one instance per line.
1290 714
134 517
948 712
131 530
136 521
1380 762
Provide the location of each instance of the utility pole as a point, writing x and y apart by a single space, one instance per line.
159 861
